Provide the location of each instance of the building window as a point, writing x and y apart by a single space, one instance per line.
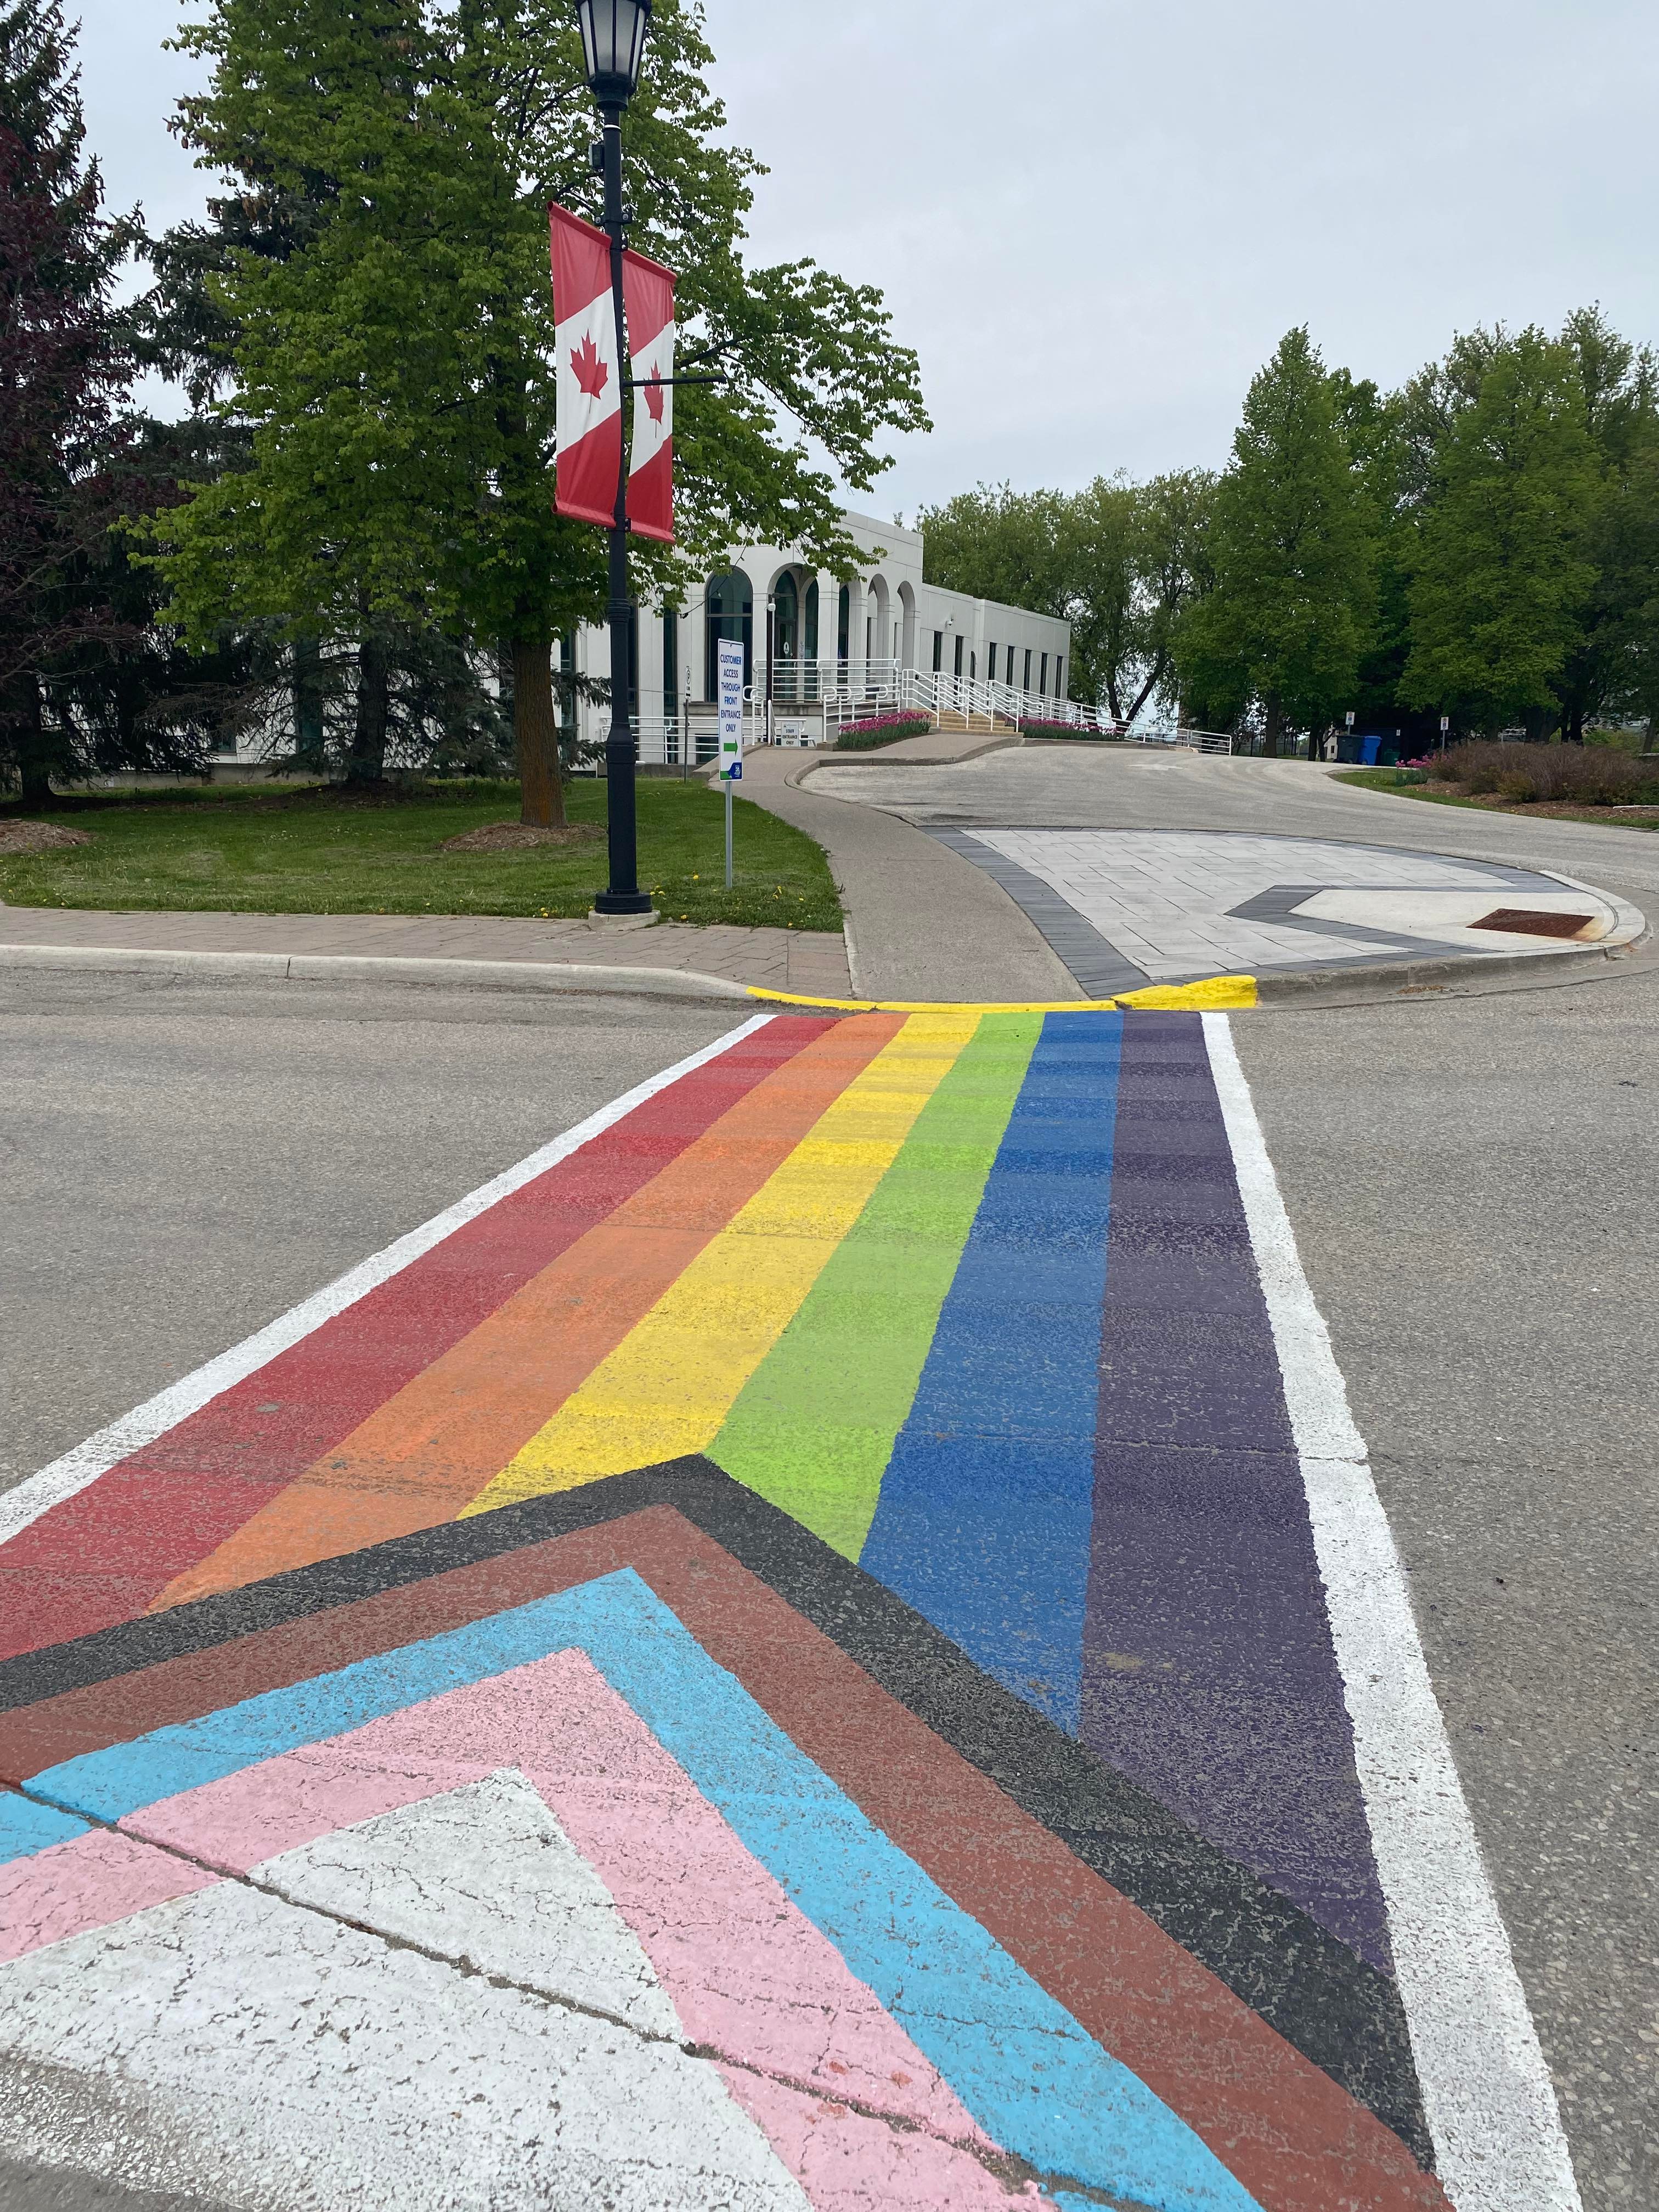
869 637
810 619
1060 688
567 685
729 604
991 662
960 646
939 651
1027 684
973 666
844 623
1042 678
670 667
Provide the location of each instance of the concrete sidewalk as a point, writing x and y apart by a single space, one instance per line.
811 963
921 923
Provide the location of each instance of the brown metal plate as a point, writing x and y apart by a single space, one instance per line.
1522 921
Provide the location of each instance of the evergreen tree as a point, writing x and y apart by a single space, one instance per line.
1499 568
63 372
394 370
1292 611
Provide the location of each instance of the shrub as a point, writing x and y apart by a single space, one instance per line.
882 730
1071 730
1595 775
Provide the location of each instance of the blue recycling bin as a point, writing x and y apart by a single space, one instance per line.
1368 747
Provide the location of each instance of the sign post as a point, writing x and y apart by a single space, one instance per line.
729 690
1445 724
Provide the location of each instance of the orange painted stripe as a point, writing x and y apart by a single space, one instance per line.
433 1446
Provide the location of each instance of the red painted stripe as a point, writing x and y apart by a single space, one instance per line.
101 1556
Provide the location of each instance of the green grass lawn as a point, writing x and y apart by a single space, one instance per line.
1398 783
255 850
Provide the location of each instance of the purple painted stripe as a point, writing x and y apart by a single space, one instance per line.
1209 1674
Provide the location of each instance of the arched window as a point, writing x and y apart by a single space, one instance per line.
844 623
786 616
729 611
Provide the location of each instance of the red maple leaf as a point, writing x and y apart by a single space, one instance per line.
592 373
653 394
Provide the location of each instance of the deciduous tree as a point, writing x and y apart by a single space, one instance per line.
1500 566
1118 561
1290 614
395 369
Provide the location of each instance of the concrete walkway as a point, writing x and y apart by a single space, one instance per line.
811 963
1138 867
922 923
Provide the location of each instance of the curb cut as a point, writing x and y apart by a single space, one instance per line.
355 968
1230 993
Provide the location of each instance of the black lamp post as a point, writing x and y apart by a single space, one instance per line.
613 45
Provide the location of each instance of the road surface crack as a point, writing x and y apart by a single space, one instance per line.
1016 2175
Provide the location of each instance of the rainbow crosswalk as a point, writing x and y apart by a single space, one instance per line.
912 1280
849 1486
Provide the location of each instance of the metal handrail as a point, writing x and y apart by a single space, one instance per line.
853 691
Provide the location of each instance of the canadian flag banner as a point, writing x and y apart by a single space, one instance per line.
588 389
648 298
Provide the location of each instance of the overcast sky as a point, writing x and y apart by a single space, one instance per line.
1095 221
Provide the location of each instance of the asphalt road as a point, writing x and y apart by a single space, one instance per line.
1473 1182
1474 1185
184 1162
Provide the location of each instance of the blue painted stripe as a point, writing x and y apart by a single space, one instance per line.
26 1827
1029 2074
986 1507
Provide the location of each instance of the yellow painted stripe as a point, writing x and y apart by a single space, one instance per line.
1211 991
668 1387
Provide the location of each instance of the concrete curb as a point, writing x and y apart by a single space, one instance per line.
354 968
1404 975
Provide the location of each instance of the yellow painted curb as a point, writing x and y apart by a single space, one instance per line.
1228 991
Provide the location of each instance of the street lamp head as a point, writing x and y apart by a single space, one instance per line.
613 47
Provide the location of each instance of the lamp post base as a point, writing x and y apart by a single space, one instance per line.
632 903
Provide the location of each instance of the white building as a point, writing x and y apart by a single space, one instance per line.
818 654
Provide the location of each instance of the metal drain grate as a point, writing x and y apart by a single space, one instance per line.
1523 922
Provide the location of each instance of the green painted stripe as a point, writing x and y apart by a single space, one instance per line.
813 1428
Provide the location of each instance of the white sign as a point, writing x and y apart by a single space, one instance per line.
729 691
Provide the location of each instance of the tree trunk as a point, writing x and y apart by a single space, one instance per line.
368 729
1275 718
536 733
34 753
1159 669
308 731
